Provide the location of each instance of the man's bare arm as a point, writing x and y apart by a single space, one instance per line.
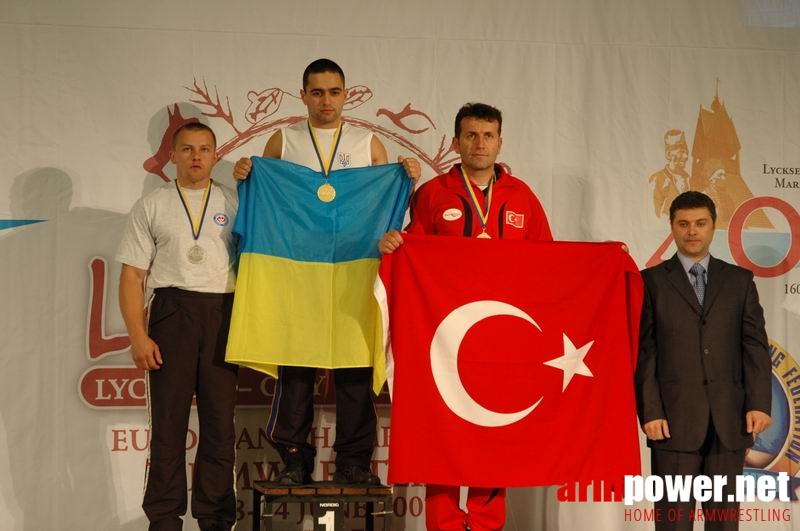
144 351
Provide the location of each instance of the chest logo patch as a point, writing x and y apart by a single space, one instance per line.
452 214
221 219
515 220
344 160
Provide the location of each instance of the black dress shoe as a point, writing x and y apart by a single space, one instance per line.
213 525
356 475
294 471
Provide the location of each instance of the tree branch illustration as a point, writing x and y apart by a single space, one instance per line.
215 103
439 163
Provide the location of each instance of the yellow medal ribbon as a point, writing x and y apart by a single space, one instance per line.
482 216
197 225
327 163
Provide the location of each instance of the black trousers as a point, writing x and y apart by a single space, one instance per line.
711 459
191 331
292 415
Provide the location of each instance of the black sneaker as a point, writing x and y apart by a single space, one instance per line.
294 471
356 475
213 525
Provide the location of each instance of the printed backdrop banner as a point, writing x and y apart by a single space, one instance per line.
610 109
511 349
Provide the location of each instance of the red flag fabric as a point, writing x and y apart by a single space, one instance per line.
511 361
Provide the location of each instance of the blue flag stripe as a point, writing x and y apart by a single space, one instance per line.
280 214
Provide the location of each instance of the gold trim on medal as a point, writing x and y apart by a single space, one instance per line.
196 254
483 235
326 193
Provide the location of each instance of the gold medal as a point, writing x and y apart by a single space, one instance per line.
196 254
326 193
483 235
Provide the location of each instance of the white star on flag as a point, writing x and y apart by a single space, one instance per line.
572 361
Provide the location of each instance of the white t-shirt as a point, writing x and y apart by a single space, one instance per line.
158 238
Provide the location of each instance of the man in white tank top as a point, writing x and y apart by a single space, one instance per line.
325 143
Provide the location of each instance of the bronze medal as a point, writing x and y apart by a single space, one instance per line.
483 216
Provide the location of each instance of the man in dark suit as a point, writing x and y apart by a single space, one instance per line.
703 378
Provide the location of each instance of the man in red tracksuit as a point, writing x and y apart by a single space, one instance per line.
475 199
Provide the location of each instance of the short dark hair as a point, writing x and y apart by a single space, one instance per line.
692 199
193 126
321 66
481 111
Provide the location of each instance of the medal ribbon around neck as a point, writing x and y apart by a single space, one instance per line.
325 164
482 216
197 226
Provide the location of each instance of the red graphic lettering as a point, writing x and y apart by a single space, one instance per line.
736 229
99 344
119 387
658 256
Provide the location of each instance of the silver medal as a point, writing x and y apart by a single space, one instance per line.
196 254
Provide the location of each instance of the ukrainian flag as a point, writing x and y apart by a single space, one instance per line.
304 289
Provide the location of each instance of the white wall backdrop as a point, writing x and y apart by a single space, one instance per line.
589 89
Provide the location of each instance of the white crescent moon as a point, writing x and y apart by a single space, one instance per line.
444 362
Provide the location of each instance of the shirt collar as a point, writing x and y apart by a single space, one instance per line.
454 176
687 262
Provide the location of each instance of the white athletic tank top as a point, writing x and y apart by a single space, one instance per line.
354 146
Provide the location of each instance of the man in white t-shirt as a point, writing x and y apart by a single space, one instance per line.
176 294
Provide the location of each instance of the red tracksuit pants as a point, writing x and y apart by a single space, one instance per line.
486 508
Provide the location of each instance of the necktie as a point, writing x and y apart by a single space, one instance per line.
699 281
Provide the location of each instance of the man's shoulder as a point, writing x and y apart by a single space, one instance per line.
230 194
437 183
512 181
295 127
224 188
158 194
348 129
355 130
663 268
727 268
513 186
715 264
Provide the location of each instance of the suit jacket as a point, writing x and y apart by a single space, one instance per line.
699 362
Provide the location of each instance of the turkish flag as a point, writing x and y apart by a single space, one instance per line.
514 219
511 361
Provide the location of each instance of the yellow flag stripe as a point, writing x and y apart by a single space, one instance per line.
292 321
